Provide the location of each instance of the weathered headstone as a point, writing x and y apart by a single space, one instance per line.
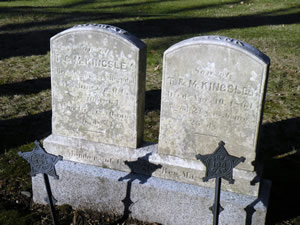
203 80
98 94
98 83
213 89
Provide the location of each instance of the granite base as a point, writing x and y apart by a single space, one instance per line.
153 199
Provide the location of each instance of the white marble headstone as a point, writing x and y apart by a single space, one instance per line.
213 89
98 85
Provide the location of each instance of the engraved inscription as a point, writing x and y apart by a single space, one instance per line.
230 102
211 91
178 174
220 38
104 26
210 86
85 156
94 85
92 62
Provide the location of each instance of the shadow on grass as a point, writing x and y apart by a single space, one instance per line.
36 42
19 131
187 26
152 100
280 152
26 43
26 87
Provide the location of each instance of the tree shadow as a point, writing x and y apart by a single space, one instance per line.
130 5
25 87
278 161
26 43
203 6
141 170
19 131
36 42
280 155
188 26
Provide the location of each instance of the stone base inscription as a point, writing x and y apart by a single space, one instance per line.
173 168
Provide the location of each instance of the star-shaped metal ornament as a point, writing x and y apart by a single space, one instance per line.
40 161
219 164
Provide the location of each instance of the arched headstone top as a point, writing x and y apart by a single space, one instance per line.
223 41
109 29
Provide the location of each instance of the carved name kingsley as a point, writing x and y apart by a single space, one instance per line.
98 85
213 90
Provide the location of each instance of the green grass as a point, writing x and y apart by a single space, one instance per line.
272 26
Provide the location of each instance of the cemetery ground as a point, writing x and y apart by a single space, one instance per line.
25 97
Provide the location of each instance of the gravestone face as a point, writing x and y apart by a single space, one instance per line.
213 90
98 85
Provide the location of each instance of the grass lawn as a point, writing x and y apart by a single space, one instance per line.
272 26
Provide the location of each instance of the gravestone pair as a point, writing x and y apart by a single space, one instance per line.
213 90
